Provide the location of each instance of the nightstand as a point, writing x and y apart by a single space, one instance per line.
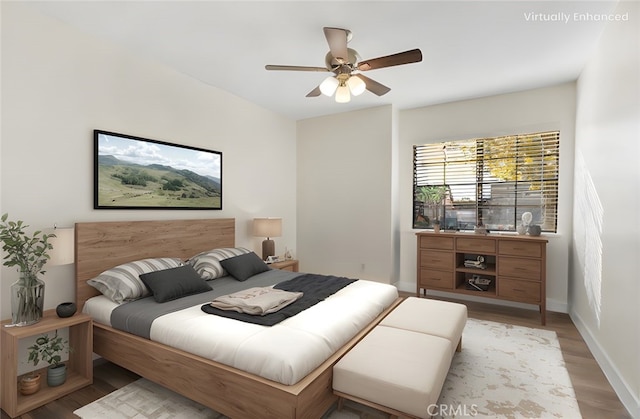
79 365
286 265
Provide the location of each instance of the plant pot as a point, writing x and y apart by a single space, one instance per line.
56 375
27 300
30 384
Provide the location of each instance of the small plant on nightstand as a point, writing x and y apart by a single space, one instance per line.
50 349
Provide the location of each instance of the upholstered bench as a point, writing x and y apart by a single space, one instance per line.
401 365
433 317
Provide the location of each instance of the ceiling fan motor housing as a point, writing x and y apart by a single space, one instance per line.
342 67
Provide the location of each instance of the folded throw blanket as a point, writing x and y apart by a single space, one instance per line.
256 301
315 288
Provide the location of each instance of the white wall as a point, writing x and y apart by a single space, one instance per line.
605 290
58 85
345 173
551 108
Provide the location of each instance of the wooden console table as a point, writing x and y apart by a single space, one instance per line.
515 265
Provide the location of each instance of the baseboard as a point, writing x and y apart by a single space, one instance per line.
552 305
620 386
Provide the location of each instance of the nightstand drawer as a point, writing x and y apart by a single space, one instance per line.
286 265
433 259
430 278
524 291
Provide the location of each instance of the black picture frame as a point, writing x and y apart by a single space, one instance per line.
132 172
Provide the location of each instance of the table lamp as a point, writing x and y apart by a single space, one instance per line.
267 227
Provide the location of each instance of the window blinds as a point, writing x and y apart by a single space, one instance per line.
488 181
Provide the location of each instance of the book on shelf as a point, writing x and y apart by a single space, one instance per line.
477 263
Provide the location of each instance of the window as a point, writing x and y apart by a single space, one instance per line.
487 181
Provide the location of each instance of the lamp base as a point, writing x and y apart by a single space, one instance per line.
268 248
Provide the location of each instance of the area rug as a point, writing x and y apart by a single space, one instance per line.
503 371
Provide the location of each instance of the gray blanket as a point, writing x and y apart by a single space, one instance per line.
314 288
137 316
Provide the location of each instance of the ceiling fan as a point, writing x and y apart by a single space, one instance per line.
347 67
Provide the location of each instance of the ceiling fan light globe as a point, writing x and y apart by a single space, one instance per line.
329 86
342 94
356 85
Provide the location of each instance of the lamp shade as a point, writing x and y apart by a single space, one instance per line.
356 85
267 227
63 247
342 94
329 86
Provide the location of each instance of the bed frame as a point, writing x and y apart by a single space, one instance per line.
232 392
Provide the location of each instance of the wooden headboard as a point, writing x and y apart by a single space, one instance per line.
102 245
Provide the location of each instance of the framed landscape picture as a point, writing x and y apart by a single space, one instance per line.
139 173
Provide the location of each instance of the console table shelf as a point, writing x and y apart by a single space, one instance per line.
515 265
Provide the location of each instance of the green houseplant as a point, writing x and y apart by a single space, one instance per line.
50 350
29 253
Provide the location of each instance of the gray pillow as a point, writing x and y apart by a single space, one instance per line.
245 266
170 284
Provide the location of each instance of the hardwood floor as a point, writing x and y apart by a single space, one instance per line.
595 395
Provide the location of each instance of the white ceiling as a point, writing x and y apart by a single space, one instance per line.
470 48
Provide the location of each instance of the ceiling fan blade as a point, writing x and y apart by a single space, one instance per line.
315 92
295 68
337 40
406 57
373 86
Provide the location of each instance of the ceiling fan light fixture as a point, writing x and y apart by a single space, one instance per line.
356 85
342 94
329 86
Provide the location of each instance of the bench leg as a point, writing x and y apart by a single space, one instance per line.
340 403
459 347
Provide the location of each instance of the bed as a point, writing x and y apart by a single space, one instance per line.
224 388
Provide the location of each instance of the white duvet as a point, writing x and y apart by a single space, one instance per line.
285 352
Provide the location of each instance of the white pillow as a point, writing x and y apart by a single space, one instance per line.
123 283
207 263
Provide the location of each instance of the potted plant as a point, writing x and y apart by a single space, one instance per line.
50 349
436 226
29 254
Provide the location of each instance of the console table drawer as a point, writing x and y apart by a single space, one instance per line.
431 259
444 243
524 291
519 248
474 245
430 278
520 268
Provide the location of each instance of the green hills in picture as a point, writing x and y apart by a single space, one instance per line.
123 184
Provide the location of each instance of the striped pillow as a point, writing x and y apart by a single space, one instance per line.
123 283
207 264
